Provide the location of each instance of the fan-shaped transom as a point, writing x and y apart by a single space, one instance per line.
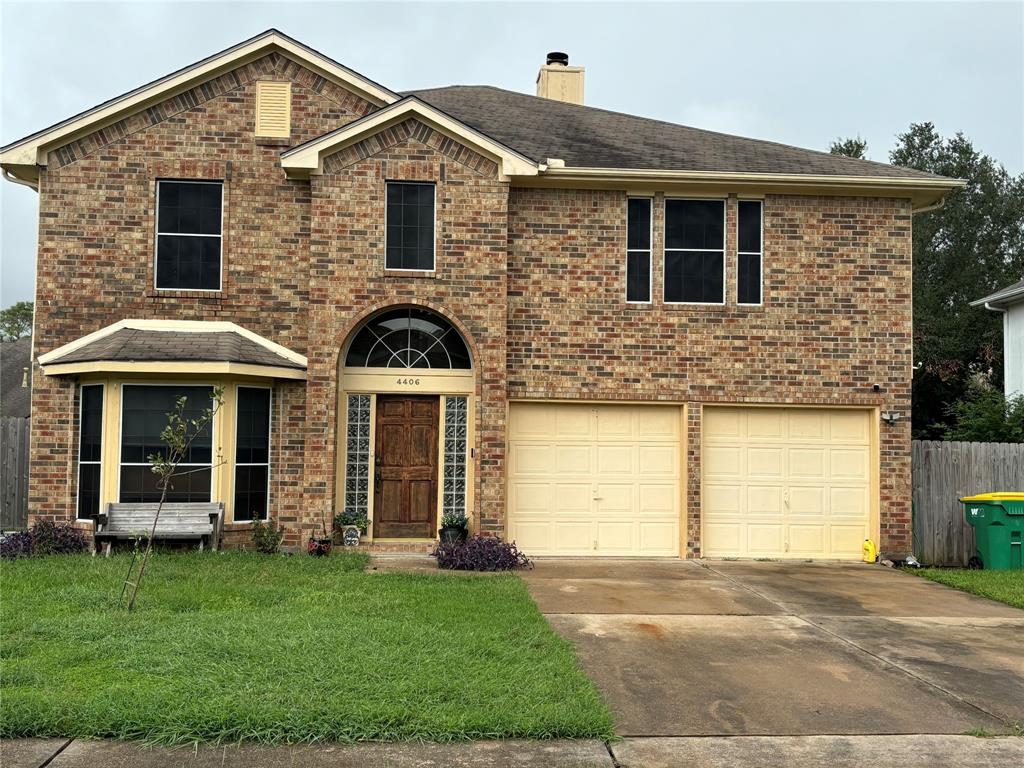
408 338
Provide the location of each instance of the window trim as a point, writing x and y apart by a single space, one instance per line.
760 254
665 250
433 240
120 431
649 251
235 464
157 233
103 417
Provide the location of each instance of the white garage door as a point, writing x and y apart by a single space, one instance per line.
781 482
594 479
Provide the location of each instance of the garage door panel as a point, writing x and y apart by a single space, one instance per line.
764 500
595 479
658 460
765 462
616 460
815 502
530 459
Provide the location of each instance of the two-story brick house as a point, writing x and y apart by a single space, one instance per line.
595 333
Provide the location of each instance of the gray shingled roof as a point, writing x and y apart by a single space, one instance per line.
130 344
15 357
597 138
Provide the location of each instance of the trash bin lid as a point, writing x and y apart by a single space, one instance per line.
1003 496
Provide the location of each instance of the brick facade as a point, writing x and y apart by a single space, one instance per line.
534 278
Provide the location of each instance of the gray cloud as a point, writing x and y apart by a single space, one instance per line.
800 73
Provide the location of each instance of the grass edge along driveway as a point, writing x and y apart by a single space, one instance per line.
1003 586
230 647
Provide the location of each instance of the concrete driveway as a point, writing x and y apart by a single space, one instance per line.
737 648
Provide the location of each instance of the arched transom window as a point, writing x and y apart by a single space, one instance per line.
408 338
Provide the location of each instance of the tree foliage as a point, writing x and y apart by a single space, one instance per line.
969 247
857 148
984 415
16 321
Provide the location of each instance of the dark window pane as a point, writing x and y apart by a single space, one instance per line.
638 276
91 426
696 224
88 490
409 226
639 227
188 263
251 493
404 337
750 226
252 438
144 417
749 283
189 208
138 484
694 276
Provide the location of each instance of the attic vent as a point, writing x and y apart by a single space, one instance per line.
273 108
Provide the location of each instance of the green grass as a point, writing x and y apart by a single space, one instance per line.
243 647
1004 586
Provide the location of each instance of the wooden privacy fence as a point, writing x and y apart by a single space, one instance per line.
942 473
13 473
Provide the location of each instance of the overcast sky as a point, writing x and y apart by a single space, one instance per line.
800 73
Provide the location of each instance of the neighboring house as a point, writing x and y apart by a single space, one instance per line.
596 334
15 381
1009 302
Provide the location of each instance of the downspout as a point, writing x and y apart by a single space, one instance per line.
990 308
11 177
932 207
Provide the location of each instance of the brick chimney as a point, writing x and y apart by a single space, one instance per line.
557 80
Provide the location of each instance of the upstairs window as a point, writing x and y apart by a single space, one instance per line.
638 250
695 251
751 252
409 226
188 235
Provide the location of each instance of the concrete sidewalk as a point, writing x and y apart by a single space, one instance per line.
715 752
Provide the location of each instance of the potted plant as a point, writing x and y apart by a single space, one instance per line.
320 546
351 525
454 527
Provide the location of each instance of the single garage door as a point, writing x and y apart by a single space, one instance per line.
786 482
594 479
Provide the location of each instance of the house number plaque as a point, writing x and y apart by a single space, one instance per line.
408 382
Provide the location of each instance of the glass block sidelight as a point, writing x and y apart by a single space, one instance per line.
357 455
456 417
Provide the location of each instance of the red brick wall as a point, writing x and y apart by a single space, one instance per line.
836 320
96 241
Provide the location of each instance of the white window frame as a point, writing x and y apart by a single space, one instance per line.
103 421
156 236
760 253
270 442
120 431
649 250
665 251
433 241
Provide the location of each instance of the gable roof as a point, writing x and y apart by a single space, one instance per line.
126 344
307 158
1011 294
26 153
587 137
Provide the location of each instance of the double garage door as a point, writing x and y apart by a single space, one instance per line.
607 480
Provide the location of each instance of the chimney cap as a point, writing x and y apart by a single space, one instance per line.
557 57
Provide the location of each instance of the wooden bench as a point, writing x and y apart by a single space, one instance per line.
179 520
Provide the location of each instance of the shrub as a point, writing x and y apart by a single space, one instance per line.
357 519
267 537
984 415
480 553
17 544
44 538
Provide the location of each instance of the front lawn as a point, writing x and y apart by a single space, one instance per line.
232 646
1004 586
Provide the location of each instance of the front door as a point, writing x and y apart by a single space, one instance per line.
405 492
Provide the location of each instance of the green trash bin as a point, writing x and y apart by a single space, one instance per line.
998 522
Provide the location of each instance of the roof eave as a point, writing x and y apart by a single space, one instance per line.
1000 298
32 150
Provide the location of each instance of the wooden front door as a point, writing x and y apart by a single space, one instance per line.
405 492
